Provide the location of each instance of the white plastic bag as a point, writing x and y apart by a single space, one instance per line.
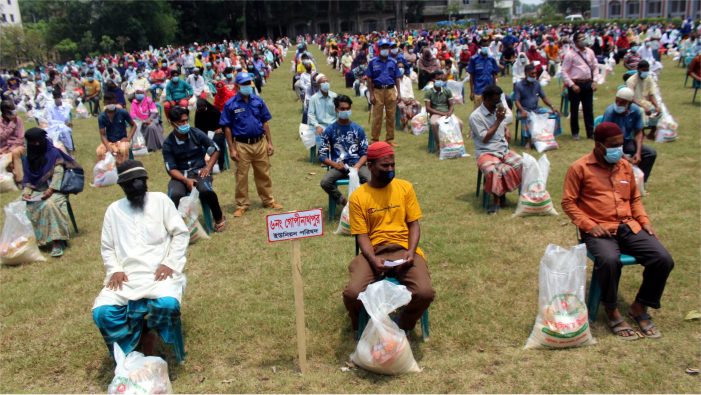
542 132
639 179
308 135
544 79
138 143
353 184
189 210
383 348
139 374
18 243
105 172
534 198
419 123
7 179
563 319
666 129
450 138
81 112
456 88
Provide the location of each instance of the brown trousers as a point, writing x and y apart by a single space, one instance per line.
416 278
16 163
121 148
256 156
385 101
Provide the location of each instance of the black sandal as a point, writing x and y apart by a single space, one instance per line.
650 327
618 329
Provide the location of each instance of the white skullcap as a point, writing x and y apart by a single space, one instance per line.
625 94
319 76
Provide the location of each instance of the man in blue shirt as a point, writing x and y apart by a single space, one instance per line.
383 84
184 153
526 94
483 71
628 116
113 131
245 122
343 145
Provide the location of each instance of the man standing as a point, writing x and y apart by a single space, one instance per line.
144 245
321 112
580 70
12 137
383 85
384 217
603 201
245 121
343 145
113 131
628 116
483 71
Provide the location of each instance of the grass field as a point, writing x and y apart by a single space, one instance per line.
238 309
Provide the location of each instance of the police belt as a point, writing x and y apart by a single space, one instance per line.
383 86
248 140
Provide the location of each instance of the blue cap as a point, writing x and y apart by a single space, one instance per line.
383 42
242 78
393 44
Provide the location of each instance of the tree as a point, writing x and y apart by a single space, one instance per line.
87 43
569 6
547 11
106 44
453 11
66 49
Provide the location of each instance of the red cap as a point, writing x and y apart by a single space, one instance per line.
379 149
606 130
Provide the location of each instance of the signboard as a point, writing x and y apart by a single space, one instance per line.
295 225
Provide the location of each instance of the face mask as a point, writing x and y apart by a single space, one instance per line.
386 176
324 86
401 70
384 52
344 114
110 107
619 109
183 129
91 79
613 155
531 79
484 51
634 49
394 51
175 79
439 84
139 96
306 62
644 74
246 90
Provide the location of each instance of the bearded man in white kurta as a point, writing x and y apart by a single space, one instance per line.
144 241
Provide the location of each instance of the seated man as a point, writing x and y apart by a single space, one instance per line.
58 115
113 131
439 102
91 89
196 81
408 105
207 120
12 138
184 155
602 199
384 217
500 166
157 79
44 167
320 111
526 94
624 113
343 144
177 92
644 88
144 245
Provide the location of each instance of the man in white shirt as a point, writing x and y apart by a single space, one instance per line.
58 115
408 105
197 83
321 111
144 245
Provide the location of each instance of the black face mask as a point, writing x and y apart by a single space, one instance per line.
135 190
385 177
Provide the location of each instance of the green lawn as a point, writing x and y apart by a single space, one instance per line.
238 309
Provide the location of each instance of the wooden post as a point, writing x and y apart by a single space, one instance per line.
299 306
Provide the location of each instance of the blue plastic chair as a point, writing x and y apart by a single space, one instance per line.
564 104
598 120
594 296
208 218
519 122
485 195
332 203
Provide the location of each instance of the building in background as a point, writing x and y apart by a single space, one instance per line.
637 9
9 13
479 10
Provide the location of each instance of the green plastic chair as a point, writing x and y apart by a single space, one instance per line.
564 104
431 139
332 203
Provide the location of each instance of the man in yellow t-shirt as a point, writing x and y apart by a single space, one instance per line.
384 216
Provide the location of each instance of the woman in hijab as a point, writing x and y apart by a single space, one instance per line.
533 56
43 168
145 113
428 64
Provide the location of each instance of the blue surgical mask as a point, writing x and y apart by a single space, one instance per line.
634 49
139 96
344 114
644 74
401 70
246 90
175 79
91 79
439 84
324 86
183 129
531 79
386 176
384 52
229 76
619 109
613 155
484 51
394 51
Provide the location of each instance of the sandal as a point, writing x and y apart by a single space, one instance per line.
649 328
219 226
619 326
57 252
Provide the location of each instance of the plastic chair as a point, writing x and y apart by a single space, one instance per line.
70 213
564 103
598 120
485 196
519 122
312 154
594 295
332 203
696 85
431 139
397 118
208 219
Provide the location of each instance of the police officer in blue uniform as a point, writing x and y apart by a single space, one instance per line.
383 84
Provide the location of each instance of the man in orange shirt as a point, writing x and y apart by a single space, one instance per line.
384 217
601 198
